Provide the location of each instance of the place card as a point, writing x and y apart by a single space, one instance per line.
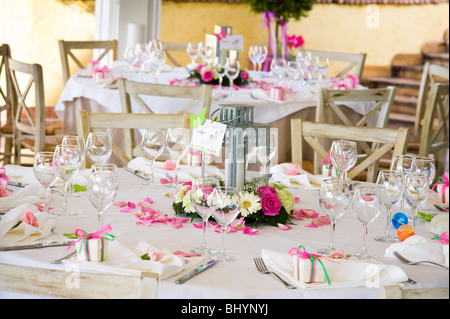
208 137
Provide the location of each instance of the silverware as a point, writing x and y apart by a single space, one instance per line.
262 268
17 184
441 208
34 246
406 261
411 281
60 260
141 175
196 271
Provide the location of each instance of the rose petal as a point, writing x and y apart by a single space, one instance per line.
250 231
312 225
284 227
199 225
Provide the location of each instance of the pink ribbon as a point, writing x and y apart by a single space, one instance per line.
313 258
82 235
102 70
267 17
284 48
443 180
354 79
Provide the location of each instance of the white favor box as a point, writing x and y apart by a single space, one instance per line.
439 191
97 248
326 171
445 248
302 270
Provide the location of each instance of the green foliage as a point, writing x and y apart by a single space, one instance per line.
286 9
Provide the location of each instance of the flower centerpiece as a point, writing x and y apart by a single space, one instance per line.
270 205
205 74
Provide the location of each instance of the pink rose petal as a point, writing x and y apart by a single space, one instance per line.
284 227
250 231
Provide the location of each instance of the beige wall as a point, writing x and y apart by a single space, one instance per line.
33 27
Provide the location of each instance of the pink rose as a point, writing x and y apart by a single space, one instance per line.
244 75
270 204
200 67
169 165
3 191
207 75
153 255
30 219
262 190
294 170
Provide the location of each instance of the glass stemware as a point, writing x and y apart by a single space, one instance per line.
225 212
425 165
220 70
417 189
177 141
232 69
142 54
77 141
102 189
99 147
45 173
390 191
252 54
153 145
366 207
333 200
277 68
402 163
321 66
293 72
261 55
130 57
157 62
343 156
67 159
203 193
193 52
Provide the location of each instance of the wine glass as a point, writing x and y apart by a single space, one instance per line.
226 210
265 152
157 62
77 141
203 192
67 159
277 68
202 52
366 207
293 72
232 69
343 156
426 165
177 141
102 189
153 145
333 200
46 173
402 163
220 70
99 147
321 66
252 54
130 57
193 52
417 189
142 54
390 191
262 53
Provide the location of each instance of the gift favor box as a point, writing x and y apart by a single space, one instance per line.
443 193
304 267
329 171
94 250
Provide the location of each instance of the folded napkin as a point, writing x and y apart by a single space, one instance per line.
185 172
417 248
302 180
122 260
25 233
32 194
262 95
21 174
343 273
438 224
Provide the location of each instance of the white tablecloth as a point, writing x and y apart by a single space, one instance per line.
234 280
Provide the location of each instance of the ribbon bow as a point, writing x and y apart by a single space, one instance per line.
313 258
3 174
443 180
354 79
328 165
102 233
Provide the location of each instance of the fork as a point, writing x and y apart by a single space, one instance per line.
406 261
262 268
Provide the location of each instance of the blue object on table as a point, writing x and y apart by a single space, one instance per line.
399 219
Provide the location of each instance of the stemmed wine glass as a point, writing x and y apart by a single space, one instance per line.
366 207
293 72
426 165
232 69
266 153
77 141
252 54
404 165
343 156
333 200
321 66
102 188
142 54
99 147
130 57
390 191
193 50
277 68
67 159
46 173
203 193
177 141
261 55
153 145
417 190
225 212
220 70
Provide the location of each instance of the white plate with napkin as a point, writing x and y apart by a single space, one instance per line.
302 180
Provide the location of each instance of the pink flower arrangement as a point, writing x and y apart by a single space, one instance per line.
169 165
295 41
270 204
30 219
207 75
443 238
294 170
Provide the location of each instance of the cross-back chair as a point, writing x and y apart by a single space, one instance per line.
385 139
31 128
348 63
67 48
6 94
171 47
88 122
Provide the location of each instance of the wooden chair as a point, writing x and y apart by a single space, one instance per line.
335 100
351 61
397 292
171 47
385 139
131 89
434 137
6 95
31 128
71 283
67 48
89 122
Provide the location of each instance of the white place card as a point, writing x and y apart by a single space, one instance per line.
209 137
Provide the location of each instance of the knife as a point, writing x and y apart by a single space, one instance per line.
33 246
136 173
17 184
195 272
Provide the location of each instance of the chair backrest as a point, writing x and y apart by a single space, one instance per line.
25 122
131 89
432 73
67 48
384 138
435 127
71 283
6 95
171 47
397 292
353 63
89 122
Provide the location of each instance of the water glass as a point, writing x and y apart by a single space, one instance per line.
261 56
343 156
425 165
99 147
278 68
293 72
46 173
177 141
220 70
417 190
232 69
193 50
153 145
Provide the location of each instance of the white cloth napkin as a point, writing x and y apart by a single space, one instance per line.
344 273
303 180
24 233
122 260
417 248
185 172
32 194
438 224
21 174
